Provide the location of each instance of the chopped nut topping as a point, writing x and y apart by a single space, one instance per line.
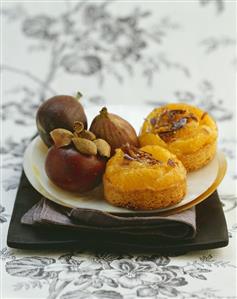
127 157
179 124
171 163
133 153
174 112
153 121
203 115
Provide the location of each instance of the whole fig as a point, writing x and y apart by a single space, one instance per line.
113 129
59 112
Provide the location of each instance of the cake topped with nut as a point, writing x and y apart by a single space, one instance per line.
185 130
146 178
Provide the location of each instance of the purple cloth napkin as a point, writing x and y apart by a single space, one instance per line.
48 213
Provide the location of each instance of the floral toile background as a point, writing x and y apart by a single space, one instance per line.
151 53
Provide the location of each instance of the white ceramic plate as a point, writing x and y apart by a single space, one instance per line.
198 182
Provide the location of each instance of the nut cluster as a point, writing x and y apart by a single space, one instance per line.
132 153
83 140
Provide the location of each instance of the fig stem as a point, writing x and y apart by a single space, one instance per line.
104 112
79 95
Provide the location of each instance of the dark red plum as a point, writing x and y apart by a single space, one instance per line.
73 171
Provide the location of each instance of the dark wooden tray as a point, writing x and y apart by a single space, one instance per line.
211 231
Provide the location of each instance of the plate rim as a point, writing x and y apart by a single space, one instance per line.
222 168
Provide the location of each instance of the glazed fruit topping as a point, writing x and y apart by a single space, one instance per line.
132 153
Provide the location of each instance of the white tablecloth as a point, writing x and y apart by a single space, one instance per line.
117 52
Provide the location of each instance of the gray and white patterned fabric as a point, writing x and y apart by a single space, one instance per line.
117 52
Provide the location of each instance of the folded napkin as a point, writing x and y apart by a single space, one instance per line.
175 227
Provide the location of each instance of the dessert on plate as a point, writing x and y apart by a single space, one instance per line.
174 139
186 131
144 179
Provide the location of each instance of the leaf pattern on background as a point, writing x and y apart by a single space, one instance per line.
72 43
218 3
12 153
232 231
229 202
3 215
212 44
71 40
205 98
33 267
73 50
85 65
77 275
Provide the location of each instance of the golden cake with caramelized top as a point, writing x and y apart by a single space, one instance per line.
144 179
185 130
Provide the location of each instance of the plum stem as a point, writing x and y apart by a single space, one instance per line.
104 112
79 95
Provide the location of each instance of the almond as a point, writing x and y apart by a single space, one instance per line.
61 137
85 146
103 147
78 127
87 134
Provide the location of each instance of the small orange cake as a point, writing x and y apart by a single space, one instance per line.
185 130
144 179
